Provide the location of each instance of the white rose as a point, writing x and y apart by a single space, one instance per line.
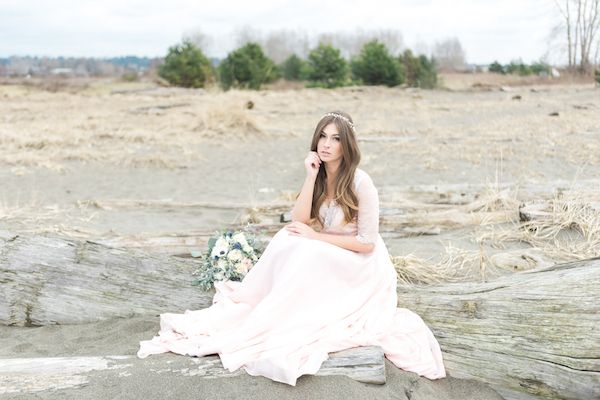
241 239
241 268
222 264
234 255
219 276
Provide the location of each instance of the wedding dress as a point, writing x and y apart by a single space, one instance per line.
304 299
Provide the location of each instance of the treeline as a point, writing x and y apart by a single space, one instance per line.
520 68
249 67
75 66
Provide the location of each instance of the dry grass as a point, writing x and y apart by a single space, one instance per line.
49 123
228 119
134 128
564 229
456 266
35 218
489 81
43 218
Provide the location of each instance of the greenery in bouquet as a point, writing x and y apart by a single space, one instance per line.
230 256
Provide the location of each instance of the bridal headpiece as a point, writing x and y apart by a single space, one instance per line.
336 115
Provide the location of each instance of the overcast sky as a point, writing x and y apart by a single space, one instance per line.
488 29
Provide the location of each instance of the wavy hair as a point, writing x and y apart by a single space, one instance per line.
344 188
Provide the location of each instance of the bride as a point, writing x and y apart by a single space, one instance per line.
324 283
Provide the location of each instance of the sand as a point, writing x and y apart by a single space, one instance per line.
121 336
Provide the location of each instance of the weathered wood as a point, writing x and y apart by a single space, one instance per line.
533 334
30 375
52 280
545 211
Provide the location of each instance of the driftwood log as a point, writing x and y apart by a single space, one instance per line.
531 334
51 280
30 375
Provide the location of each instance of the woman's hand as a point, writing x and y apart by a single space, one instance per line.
300 229
312 162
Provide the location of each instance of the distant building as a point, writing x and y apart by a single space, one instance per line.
62 71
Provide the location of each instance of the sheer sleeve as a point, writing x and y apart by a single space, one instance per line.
368 211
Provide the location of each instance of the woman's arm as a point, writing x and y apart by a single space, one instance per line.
303 206
344 241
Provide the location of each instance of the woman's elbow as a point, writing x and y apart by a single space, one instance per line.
293 218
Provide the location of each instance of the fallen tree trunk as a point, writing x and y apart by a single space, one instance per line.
52 280
529 334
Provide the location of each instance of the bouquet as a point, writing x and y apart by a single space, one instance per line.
230 256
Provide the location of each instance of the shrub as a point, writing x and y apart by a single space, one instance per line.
130 76
185 65
420 71
247 67
497 68
428 77
517 67
541 68
375 66
597 76
326 67
293 68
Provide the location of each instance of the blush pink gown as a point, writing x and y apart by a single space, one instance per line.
304 299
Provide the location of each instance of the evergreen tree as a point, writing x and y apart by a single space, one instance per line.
326 67
185 65
247 67
375 66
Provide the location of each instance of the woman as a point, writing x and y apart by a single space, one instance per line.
312 292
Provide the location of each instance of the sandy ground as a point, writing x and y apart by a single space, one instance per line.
67 147
120 337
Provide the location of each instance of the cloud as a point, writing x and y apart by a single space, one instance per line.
487 29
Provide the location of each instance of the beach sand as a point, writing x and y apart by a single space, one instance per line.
145 379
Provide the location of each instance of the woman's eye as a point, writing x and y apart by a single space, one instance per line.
336 138
322 135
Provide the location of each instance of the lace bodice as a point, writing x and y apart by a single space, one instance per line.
365 226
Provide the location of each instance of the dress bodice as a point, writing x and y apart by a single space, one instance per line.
365 226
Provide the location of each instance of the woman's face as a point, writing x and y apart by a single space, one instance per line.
329 146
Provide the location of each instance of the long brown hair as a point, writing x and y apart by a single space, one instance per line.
344 185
